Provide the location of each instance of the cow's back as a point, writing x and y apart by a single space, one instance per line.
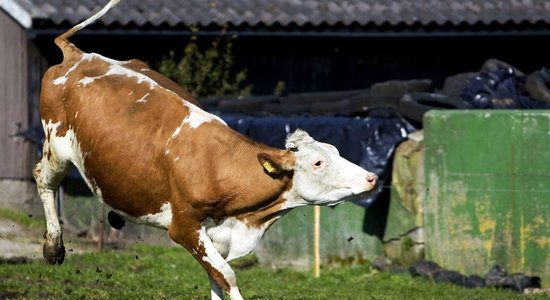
121 123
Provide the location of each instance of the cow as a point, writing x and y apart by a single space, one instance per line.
149 152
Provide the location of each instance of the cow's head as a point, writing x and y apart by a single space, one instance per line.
320 175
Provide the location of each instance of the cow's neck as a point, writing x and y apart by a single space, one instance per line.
258 197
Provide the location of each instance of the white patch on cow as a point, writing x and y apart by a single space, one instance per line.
166 152
116 68
63 79
162 219
198 116
194 119
53 227
214 258
67 148
142 99
60 80
235 294
233 238
109 61
86 80
322 176
178 130
76 115
177 158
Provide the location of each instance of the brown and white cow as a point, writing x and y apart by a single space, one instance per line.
149 152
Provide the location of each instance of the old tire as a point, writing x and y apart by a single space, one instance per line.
414 106
454 85
537 85
493 64
400 87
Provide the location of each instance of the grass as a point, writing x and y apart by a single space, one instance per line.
152 272
21 218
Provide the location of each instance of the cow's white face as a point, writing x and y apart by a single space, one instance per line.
322 177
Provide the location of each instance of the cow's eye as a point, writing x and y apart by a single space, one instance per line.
318 163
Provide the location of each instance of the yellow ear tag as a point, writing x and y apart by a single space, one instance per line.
268 167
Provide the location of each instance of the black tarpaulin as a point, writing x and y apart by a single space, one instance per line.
368 142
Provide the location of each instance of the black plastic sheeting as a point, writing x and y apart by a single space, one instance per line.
501 88
368 142
497 277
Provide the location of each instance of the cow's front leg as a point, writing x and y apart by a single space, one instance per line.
195 239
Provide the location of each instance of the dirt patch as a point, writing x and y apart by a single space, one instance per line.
18 241
20 244
10 295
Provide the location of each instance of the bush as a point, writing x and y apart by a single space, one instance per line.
209 72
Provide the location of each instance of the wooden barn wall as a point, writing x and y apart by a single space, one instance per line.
316 64
15 152
37 66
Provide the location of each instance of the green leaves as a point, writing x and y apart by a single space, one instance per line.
206 72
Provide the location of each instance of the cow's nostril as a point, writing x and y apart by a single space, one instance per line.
371 178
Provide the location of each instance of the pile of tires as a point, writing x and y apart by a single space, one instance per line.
496 85
414 106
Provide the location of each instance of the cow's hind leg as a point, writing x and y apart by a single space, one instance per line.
48 174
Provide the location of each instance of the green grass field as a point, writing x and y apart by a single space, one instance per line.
151 272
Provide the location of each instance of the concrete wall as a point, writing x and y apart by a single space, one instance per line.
20 195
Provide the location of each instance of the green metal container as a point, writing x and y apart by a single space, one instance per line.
289 242
488 190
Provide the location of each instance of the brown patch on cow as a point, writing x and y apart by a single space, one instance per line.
226 179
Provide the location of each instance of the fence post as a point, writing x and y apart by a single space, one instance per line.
316 242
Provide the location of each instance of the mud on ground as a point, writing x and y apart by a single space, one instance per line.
20 243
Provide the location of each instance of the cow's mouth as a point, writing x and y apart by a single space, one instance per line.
355 197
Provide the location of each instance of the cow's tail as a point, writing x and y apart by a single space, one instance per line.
62 41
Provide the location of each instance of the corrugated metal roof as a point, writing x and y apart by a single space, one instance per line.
173 13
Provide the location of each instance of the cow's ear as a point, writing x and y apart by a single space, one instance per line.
297 139
276 164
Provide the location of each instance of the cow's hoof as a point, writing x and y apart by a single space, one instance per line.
54 251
